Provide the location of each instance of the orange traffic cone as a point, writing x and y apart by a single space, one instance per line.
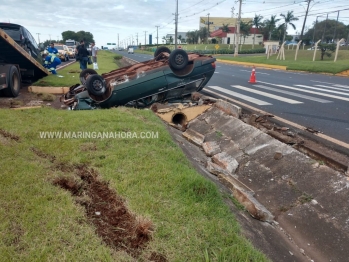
253 76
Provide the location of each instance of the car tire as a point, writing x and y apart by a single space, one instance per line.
178 59
161 49
96 85
85 74
14 83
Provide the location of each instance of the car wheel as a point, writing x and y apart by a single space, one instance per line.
14 83
96 85
85 74
161 49
178 59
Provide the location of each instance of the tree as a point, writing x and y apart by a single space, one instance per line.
270 25
326 49
225 28
288 19
171 39
245 28
331 26
77 36
164 39
257 23
203 34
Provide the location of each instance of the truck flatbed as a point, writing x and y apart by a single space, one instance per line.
12 53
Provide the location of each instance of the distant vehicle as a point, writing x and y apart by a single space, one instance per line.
168 76
63 52
71 52
105 48
71 43
24 38
130 50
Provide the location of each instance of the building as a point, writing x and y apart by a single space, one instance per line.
214 23
229 37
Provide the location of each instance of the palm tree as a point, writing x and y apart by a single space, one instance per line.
270 24
245 29
225 28
288 18
257 23
164 39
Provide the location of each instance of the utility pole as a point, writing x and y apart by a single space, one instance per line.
305 18
315 30
335 28
236 51
323 34
157 35
145 38
137 38
208 22
118 42
38 38
176 24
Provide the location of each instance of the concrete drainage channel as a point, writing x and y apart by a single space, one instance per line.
276 183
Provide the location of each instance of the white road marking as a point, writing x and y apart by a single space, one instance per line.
295 94
280 98
337 88
247 98
325 90
256 72
329 83
307 91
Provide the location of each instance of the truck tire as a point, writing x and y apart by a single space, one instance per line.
96 85
85 74
13 81
178 59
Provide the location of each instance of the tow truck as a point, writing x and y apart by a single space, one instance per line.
16 65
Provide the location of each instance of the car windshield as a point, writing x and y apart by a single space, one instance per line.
59 47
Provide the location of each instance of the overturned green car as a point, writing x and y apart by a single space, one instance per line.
169 76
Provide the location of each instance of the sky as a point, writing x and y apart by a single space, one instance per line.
116 21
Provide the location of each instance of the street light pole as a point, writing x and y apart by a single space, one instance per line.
38 38
157 35
176 24
145 38
237 29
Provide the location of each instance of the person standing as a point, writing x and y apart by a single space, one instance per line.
94 55
83 55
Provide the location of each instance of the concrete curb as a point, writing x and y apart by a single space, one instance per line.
48 90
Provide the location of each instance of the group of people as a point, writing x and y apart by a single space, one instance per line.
81 53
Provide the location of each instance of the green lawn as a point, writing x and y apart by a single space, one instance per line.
304 61
41 222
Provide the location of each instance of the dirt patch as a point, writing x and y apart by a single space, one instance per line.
105 210
114 223
6 134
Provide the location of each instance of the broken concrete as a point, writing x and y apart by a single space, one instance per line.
308 202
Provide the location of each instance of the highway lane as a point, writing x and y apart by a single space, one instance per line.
317 101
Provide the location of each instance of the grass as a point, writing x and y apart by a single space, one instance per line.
40 222
71 73
304 61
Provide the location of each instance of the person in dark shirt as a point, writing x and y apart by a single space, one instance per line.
83 54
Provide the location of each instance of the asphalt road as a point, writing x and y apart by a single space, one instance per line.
317 101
